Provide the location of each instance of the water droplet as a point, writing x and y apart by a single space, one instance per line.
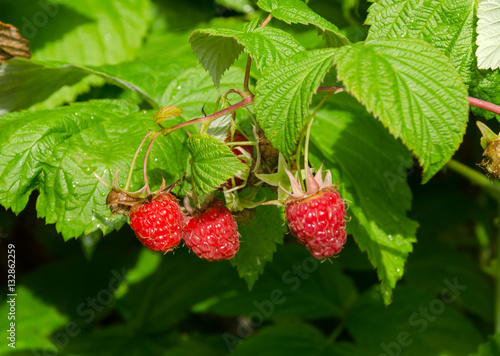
76 113
156 159
179 87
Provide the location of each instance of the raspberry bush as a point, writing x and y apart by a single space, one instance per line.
347 124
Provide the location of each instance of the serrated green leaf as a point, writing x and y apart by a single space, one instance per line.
446 24
414 90
296 11
488 35
295 285
216 53
282 340
259 238
56 152
266 45
416 324
284 93
213 163
489 348
372 180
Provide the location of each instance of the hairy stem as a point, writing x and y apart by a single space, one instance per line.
129 178
144 168
484 105
309 125
208 119
266 21
247 75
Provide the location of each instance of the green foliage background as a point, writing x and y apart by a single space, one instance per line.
87 97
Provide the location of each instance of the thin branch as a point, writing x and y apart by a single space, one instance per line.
266 21
478 103
208 119
247 75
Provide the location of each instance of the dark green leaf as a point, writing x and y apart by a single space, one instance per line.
434 262
283 339
415 324
414 90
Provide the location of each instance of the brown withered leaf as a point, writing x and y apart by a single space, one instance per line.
12 43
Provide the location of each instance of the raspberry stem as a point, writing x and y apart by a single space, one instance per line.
309 125
248 100
144 168
129 178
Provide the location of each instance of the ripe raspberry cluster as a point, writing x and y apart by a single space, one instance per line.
160 225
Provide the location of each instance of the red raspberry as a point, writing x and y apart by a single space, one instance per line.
212 234
158 223
317 217
318 222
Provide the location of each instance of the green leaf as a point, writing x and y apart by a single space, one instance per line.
295 11
490 348
56 152
415 324
372 180
213 163
488 29
24 83
284 93
215 52
266 45
82 32
259 238
282 339
414 90
446 24
35 319
433 262
295 285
